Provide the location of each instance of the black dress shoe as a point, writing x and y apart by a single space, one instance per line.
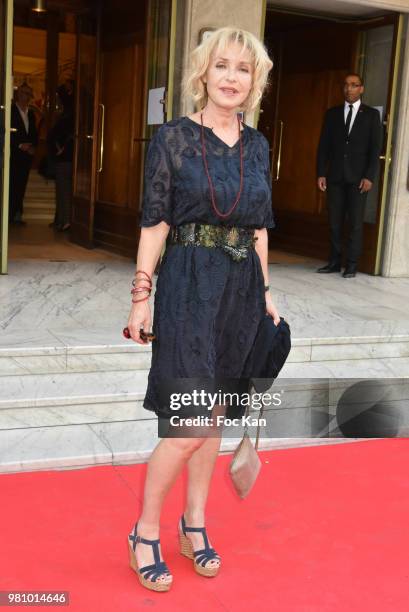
349 272
329 268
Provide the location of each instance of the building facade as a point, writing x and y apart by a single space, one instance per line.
127 53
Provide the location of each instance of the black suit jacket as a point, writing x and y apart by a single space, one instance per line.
353 157
20 136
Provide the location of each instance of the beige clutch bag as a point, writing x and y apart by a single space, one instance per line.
245 465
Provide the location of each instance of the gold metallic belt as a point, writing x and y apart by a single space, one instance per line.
235 241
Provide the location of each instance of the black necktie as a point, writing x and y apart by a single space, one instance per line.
348 122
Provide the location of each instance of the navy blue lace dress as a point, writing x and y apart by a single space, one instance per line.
207 307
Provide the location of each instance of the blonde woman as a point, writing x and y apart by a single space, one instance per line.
208 195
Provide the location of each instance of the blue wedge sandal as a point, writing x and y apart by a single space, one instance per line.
149 574
200 557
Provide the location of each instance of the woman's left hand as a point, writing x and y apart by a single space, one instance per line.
271 309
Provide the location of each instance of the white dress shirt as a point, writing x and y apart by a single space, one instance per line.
24 116
355 108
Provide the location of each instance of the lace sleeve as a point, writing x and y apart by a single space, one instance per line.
157 201
269 215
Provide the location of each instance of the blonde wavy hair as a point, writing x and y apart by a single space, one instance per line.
217 41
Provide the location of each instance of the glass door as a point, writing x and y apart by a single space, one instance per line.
6 49
161 52
378 61
160 65
92 154
87 155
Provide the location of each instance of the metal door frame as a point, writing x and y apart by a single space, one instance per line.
396 59
6 106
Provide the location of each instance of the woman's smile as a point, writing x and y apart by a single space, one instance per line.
229 91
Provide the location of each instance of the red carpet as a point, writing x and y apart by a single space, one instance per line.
324 529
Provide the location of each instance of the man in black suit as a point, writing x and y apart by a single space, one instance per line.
347 163
23 140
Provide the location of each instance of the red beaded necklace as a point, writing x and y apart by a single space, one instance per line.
212 193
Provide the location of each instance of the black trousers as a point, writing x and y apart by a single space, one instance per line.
19 171
345 200
63 192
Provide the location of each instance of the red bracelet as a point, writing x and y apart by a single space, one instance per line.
135 281
142 300
146 274
139 280
141 288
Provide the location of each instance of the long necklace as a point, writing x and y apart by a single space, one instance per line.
212 193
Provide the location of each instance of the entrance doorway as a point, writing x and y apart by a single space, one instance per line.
312 55
122 54
113 52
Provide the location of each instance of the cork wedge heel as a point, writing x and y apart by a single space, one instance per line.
199 557
149 574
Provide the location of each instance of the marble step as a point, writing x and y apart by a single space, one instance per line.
76 420
52 352
65 351
40 185
40 191
107 411
68 399
36 177
78 446
71 389
33 196
39 206
72 399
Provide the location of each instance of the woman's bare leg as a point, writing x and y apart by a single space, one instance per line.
164 466
200 470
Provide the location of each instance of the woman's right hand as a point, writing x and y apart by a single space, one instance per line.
139 317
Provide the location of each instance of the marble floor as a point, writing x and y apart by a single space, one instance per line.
90 300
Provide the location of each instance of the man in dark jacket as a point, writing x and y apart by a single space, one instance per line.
60 143
23 140
347 163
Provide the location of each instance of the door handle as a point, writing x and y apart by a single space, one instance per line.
13 130
276 178
384 157
164 101
101 142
